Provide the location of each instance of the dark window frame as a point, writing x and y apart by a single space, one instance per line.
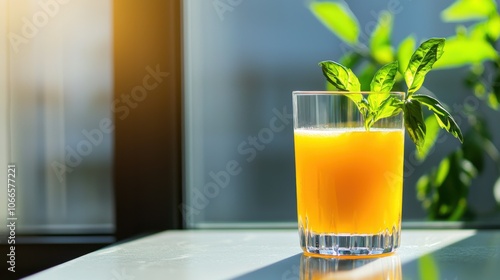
148 141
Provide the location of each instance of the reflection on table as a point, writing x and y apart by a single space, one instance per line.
387 267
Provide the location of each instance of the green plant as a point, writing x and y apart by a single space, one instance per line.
444 190
383 105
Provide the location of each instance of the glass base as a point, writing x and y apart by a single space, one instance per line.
349 244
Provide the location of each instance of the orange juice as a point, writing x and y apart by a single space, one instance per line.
349 181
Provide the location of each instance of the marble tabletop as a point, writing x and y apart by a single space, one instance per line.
275 254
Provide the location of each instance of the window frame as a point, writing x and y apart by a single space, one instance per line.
148 143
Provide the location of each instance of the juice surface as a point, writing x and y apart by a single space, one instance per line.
349 181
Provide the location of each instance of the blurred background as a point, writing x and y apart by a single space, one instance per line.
56 86
241 61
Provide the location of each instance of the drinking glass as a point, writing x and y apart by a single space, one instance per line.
349 179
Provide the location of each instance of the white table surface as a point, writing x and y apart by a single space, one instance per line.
275 254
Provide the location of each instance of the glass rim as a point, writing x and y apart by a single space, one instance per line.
334 92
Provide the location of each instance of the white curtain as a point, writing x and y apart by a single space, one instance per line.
56 90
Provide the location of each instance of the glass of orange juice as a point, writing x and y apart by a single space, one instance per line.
349 179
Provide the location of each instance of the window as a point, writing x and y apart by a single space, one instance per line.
242 61
56 84
90 95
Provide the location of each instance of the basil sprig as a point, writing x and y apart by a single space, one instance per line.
383 105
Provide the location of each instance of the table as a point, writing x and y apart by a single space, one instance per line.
275 254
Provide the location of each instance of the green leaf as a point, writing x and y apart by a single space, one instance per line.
421 63
477 31
444 119
414 122
464 10
442 171
350 59
496 85
451 182
341 77
384 78
493 102
469 169
366 75
405 50
431 134
428 268
381 85
380 40
486 30
423 187
330 87
344 79
388 108
475 145
473 149
338 18
493 27
353 82
496 191
461 51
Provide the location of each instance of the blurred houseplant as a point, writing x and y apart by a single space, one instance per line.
443 191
